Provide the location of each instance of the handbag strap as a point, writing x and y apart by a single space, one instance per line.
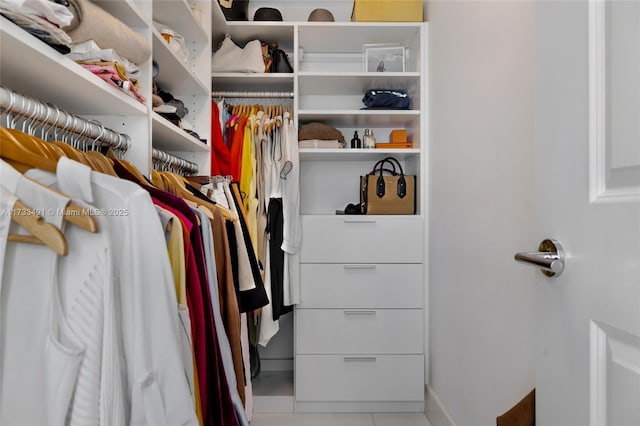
393 160
390 171
379 167
401 187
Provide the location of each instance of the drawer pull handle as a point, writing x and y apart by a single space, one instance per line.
360 358
359 312
359 266
359 221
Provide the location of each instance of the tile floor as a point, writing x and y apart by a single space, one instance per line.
375 419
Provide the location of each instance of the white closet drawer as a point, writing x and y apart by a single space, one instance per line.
361 285
359 331
360 378
362 239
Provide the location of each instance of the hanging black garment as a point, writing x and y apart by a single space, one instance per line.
275 230
256 298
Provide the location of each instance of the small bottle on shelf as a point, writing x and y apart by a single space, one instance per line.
355 141
369 141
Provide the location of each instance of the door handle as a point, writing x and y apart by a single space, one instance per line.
550 258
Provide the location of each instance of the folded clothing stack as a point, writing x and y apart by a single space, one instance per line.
173 110
319 135
386 99
319 143
42 18
108 65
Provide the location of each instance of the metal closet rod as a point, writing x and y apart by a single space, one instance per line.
164 161
24 108
240 94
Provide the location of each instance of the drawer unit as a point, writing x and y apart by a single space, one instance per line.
360 378
359 331
362 239
361 285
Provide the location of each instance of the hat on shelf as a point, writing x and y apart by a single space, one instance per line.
321 15
235 10
267 14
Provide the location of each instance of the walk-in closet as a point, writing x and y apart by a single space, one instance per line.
184 236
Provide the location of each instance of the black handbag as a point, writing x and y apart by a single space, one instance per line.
393 193
235 10
281 62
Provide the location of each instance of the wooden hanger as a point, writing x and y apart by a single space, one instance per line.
42 231
134 171
30 143
105 164
157 180
176 185
22 159
73 213
69 151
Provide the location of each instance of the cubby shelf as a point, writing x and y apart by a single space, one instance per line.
58 79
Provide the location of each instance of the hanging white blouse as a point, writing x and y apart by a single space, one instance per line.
292 231
38 368
79 320
157 389
272 165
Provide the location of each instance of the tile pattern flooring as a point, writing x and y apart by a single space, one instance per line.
375 419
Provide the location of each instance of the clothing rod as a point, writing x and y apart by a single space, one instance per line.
240 94
21 107
167 161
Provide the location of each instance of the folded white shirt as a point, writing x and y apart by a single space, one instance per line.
319 143
53 12
89 51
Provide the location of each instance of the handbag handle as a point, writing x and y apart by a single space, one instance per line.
401 188
393 160
381 164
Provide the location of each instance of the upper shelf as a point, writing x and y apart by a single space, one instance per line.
177 15
344 83
168 137
57 79
244 31
319 154
338 37
361 118
175 76
252 82
126 11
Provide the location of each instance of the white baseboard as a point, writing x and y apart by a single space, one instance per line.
273 404
435 411
359 407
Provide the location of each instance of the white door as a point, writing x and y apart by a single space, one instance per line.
587 168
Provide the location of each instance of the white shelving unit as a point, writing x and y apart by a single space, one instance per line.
131 13
170 138
39 71
326 154
34 69
188 80
328 83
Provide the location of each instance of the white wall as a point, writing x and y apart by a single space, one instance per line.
482 303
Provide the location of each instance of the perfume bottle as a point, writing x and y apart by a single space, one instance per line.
355 141
369 141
